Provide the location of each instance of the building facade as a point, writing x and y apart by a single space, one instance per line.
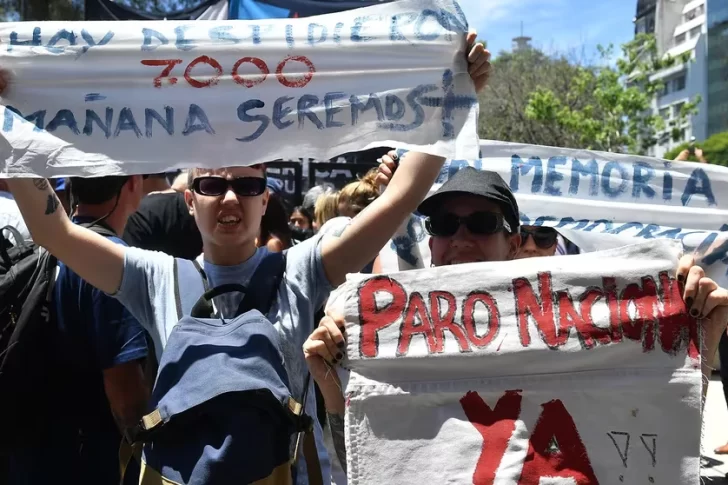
680 27
717 66
644 21
700 28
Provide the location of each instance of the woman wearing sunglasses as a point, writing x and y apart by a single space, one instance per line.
537 241
474 217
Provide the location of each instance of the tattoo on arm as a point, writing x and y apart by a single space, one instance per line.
41 184
336 423
52 204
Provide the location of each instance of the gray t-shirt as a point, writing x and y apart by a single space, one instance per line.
147 291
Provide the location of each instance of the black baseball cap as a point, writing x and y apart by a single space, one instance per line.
481 183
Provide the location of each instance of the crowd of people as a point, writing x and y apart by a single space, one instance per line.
125 245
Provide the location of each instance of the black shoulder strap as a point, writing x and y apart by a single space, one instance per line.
262 289
190 282
100 228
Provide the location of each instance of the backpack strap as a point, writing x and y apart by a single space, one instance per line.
6 244
310 454
100 228
262 290
190 282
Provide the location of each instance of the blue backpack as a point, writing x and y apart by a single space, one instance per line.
223 413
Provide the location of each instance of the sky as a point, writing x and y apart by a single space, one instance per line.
555 25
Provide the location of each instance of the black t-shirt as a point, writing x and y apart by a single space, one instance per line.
163 223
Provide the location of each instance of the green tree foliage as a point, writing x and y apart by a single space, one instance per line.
514 77
534 98
715 150
41 9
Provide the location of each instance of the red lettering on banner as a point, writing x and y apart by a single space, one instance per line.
495 426
570 319
372 318
542 310
678 330
469 318
416 309
170 63
208 82
642 327
292 80
586 303
645 312
610 291
295 83
556 450
250 80
441 322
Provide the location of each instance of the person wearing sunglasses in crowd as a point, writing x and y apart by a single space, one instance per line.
474 217
228 205
537 241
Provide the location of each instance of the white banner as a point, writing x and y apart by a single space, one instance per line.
143 97
572 370
598 200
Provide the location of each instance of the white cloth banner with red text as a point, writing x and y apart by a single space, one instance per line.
570 370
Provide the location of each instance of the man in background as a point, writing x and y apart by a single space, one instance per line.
163 221
156 182
98 355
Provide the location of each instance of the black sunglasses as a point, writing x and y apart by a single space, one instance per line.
242 186
543 237
478 223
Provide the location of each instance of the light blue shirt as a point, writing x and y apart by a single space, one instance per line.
147 290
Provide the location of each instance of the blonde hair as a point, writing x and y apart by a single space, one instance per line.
358 195
327 207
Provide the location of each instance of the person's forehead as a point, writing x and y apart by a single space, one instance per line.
467 204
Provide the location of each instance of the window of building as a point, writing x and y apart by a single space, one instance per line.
694 32
691 14
650 24
665 89
678 84
694 13
676 109
679 39
665 113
